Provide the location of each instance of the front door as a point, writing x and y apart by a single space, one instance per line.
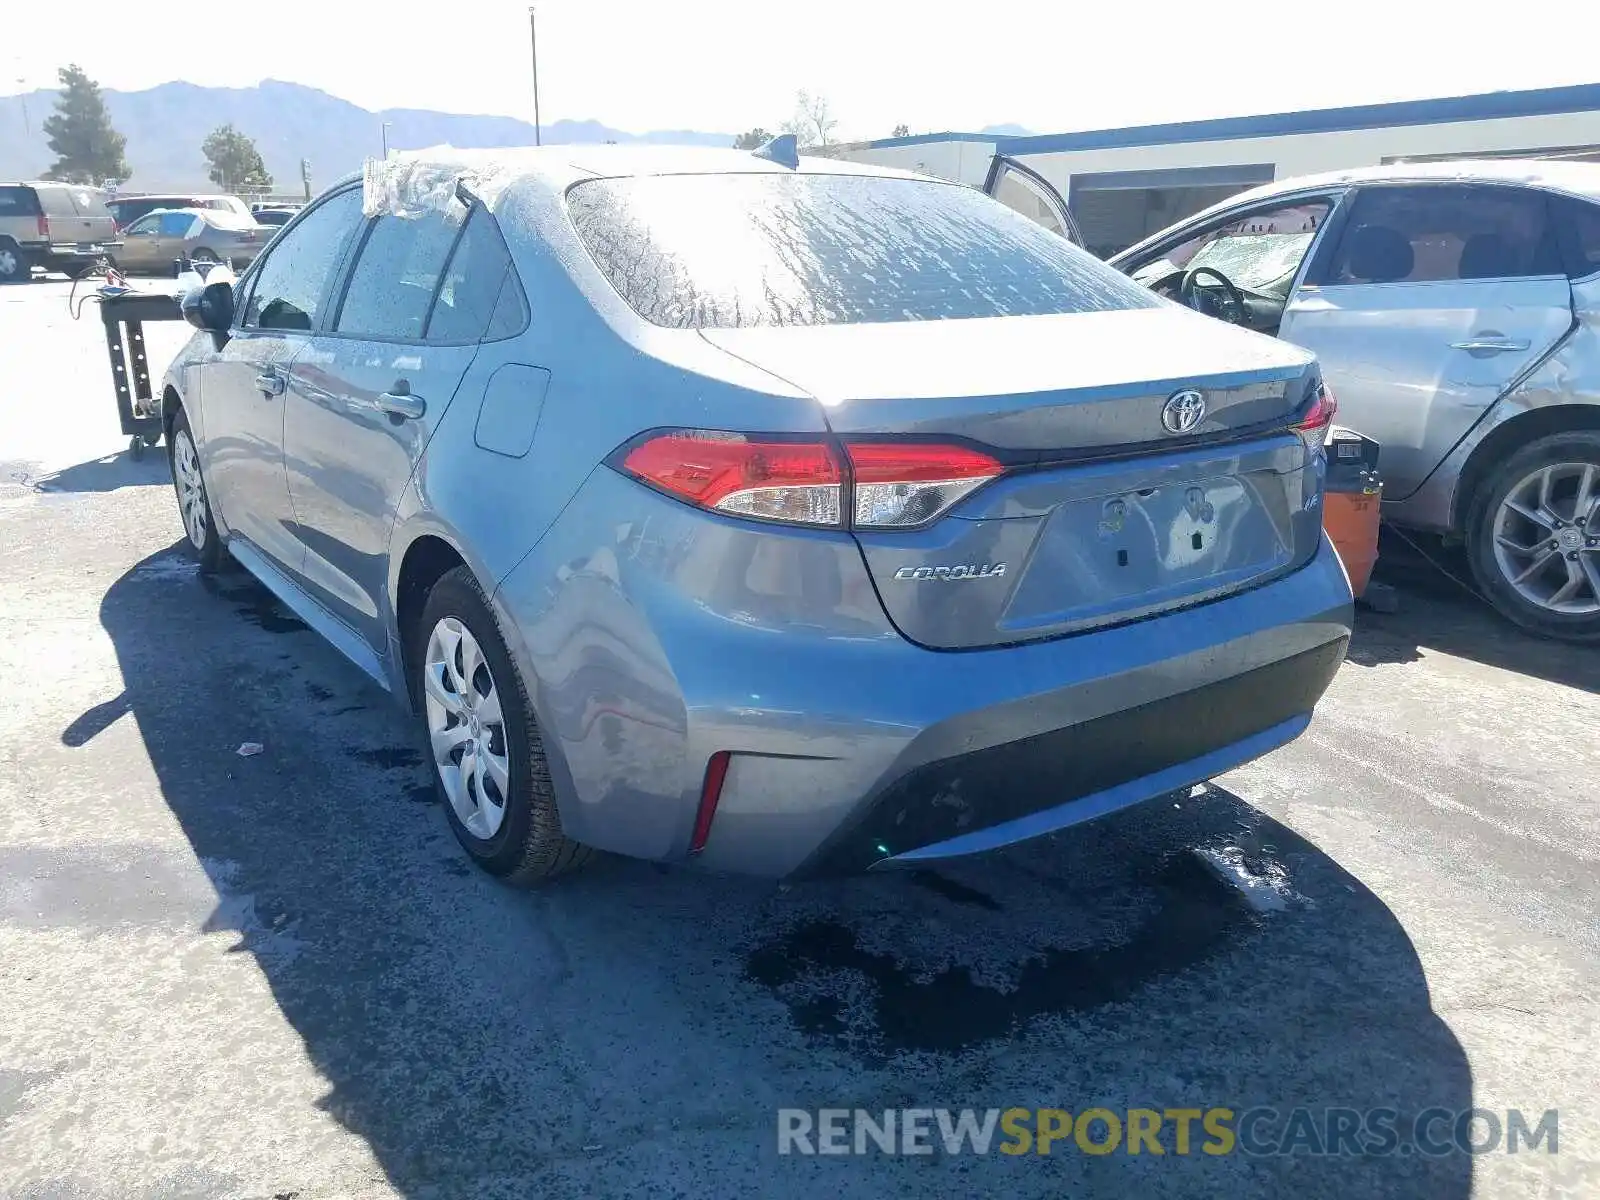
1434 299
368 395
245 388
1029 193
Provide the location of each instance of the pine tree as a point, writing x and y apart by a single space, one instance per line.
235 162
87 148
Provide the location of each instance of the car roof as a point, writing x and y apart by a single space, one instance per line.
560 166
1578 178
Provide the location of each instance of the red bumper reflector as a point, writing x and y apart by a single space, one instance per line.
710 792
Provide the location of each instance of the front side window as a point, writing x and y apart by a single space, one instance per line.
1260 252
290 284
1444 232
144 225
736 250
397 273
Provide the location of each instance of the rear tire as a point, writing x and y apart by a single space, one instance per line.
203 255
1533 537
14 266
481 740
194 499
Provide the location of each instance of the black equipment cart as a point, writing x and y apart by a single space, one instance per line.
137 407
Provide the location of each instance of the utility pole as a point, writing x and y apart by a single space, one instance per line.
533 40
27 125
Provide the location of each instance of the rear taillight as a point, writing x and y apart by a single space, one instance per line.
909 483
867 484
710 793
745 475
44 226
1313 427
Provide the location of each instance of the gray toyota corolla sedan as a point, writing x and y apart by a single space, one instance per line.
787 514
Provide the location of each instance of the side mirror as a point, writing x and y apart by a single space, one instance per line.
210 307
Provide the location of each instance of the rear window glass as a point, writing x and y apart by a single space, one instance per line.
731 251
18 202
57 202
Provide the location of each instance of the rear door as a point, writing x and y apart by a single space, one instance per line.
371 390
94 223
1424 307
141 244
1024 190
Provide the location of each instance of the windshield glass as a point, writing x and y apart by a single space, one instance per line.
1259 253
737 250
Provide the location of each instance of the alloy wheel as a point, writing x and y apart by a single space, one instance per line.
191 488
466 728
9 262
1547 538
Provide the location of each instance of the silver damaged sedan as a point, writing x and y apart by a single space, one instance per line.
785 515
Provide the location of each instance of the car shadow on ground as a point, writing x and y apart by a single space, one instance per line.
636 1028
1439 610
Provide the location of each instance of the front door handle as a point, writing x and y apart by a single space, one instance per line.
1491 343
402 404
270 383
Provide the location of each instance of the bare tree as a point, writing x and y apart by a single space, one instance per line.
813 121
901 131
752 139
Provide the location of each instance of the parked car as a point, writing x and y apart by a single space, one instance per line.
1455 308
57 226
790 515
154 242
129 209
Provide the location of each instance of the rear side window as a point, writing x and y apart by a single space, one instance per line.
1445 232
18 202
175 224
1579 222
397 273
480 299
292 280
735 250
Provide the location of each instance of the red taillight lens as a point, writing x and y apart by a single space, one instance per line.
1313 429
44 226
908 483
883 485
735 473
710 793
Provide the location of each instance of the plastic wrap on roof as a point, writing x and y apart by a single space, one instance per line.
410 183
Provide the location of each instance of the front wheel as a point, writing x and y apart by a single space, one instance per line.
1533 537
488 760
194 502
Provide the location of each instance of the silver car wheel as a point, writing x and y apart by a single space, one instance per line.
9 262
191 488
1547 538
466 728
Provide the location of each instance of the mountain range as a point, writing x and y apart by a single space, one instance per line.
165 125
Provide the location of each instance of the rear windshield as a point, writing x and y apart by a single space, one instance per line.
731 251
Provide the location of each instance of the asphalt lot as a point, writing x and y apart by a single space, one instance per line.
276 976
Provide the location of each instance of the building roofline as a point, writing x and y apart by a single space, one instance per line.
1487 106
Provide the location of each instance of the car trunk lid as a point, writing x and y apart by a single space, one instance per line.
1104 514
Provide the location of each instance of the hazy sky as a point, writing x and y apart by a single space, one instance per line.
730 64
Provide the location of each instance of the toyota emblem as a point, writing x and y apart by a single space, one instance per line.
1183 411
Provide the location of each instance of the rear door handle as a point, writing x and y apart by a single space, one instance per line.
402 404
270 383
1491 344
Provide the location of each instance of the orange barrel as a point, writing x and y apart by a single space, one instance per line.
1350 506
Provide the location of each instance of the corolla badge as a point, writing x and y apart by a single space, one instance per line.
1183 411
959 571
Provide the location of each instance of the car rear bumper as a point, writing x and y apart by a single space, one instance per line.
655 641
